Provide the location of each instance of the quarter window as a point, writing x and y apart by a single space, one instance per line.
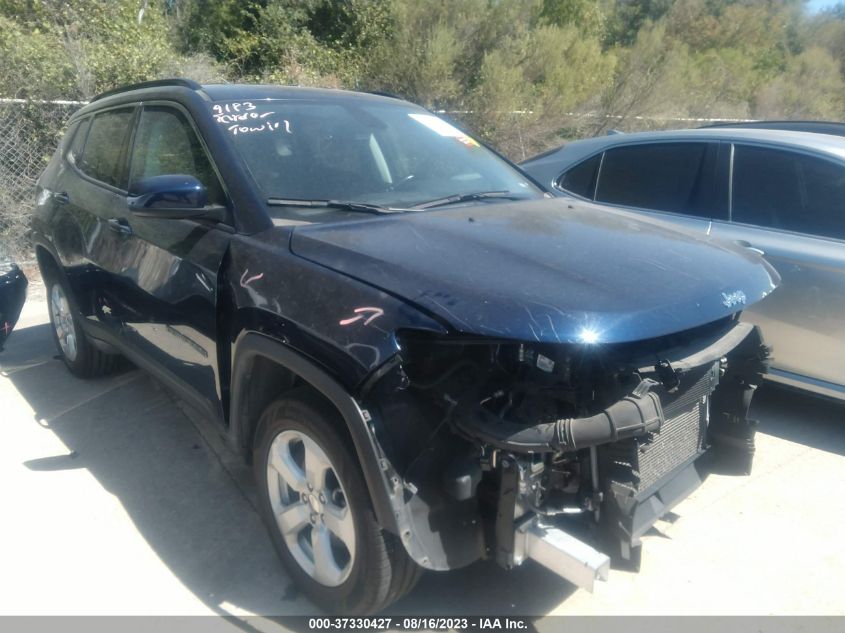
790 191
672 177
104 155
581 179
166 144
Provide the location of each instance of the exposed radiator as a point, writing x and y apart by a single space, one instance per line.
680 439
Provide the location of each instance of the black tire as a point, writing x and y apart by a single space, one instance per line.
88 362
381 571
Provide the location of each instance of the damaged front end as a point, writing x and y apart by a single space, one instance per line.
564 453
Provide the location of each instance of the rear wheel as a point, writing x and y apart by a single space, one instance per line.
317 508
80 356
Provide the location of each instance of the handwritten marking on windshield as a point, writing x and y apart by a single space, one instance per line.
246 116
374 314
242 106
269 126
242 118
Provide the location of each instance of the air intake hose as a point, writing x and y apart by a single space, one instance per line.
636 414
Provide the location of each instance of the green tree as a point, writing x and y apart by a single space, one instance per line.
811 87
586 15
522 73
647 74
82 47
627 18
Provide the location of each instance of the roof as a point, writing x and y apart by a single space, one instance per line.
167 88
819 127
156 83
825 143
232 92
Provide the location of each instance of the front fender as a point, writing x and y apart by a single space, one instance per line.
385 486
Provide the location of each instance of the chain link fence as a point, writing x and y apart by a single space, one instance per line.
29 133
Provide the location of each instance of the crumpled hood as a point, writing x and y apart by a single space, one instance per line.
545 270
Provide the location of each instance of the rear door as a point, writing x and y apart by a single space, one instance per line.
86 198
791 206
680 182
171 266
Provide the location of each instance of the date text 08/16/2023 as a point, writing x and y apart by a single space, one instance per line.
418 623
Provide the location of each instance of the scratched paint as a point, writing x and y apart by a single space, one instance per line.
201 278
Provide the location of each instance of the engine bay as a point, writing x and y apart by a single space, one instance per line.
495 440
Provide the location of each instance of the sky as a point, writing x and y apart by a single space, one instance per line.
813 6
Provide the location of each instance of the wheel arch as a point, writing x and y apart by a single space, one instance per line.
277 364
48 262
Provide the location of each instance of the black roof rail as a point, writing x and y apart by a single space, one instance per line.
156 83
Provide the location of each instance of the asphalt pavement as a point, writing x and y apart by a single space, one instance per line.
117 499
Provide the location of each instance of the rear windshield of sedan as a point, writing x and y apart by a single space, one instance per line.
368 152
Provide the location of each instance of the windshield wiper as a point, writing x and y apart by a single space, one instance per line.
465 197
348 205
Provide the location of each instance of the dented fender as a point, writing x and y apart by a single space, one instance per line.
323 314
395 504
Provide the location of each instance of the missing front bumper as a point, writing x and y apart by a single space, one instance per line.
706 429
561 553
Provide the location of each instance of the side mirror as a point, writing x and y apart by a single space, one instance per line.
171 196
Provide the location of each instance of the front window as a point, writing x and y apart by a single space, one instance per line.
373 153
165 143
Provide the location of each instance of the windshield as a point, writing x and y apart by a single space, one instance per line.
384 154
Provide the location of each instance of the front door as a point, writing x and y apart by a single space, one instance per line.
172 265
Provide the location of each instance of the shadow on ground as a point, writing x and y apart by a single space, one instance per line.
802 418
127 431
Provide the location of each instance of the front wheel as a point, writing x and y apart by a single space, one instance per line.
318 511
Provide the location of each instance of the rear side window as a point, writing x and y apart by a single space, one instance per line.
104 155
166 144
581 179
790 191
663 177
78 142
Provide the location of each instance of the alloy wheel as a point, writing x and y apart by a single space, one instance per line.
63 322
310 507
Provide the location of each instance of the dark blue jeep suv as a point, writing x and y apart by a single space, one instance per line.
428 360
